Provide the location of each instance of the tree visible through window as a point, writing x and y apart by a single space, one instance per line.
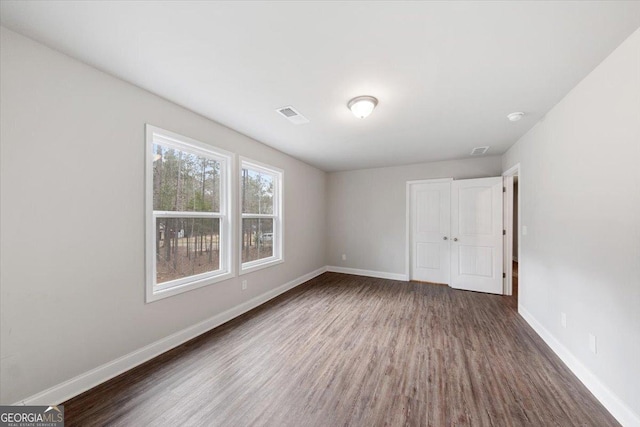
184 182
188 211
261 217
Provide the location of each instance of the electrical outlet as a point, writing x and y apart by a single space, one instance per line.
244 285
563 319
524 230
344 257
592 344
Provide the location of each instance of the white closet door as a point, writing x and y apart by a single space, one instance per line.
476 231
430 225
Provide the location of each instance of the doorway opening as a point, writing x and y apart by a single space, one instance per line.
514 263
511 210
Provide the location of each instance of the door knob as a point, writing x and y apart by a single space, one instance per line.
445 238
455 239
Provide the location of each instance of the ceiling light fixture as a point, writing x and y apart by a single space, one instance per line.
362 106
514 117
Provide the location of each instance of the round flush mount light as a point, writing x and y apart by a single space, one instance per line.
362 106
514 117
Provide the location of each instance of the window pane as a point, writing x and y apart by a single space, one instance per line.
257 238
184 182
257 192
186 246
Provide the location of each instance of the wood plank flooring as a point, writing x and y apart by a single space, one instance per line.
345 350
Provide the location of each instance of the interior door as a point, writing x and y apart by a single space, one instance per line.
430 225
476 232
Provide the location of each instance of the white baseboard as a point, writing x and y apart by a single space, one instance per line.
83 382
609 400
368 273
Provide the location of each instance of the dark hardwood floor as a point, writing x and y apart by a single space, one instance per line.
345 350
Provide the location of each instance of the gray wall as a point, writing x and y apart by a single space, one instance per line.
580 200
72 219
367 215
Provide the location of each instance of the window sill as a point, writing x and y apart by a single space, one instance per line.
155 294
267 262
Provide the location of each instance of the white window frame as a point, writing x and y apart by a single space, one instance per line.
278 216
226 271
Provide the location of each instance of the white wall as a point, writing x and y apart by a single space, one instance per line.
72 219
367 215
580 199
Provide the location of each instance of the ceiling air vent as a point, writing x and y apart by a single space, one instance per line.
479 151
292 115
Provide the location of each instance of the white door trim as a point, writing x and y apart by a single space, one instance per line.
508 226
407 245
513 170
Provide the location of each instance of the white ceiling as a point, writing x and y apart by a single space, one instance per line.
446 73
